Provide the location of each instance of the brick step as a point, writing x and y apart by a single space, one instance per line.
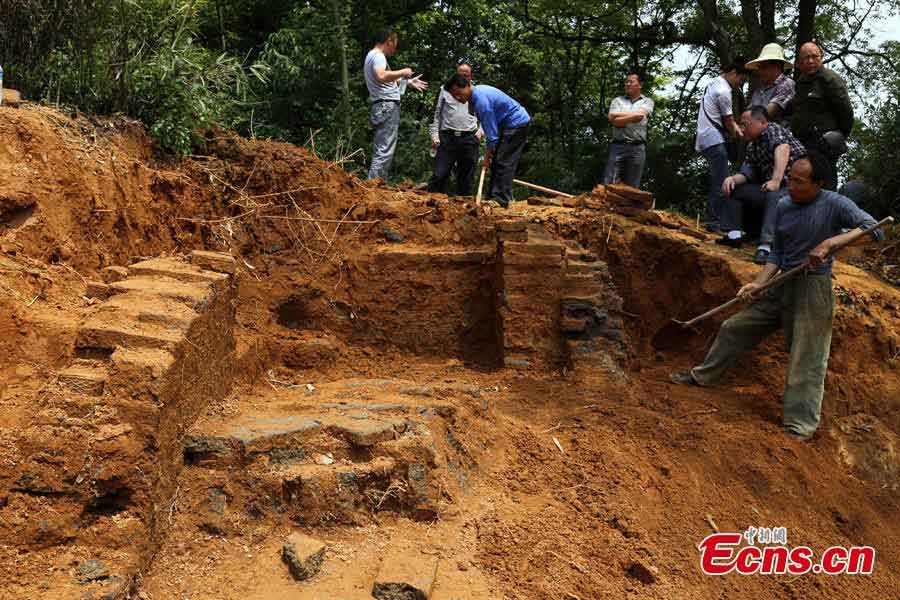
84 377
196 295
149 308
398 479
176 268
114 330
302 438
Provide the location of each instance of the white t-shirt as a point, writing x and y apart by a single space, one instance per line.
717 102
376 59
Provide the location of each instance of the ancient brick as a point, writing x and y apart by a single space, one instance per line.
113 274
83 380
573 324
97 289
512 236
637 198
581 285
511 225
214 261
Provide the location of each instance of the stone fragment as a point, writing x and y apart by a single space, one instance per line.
91 570
303 555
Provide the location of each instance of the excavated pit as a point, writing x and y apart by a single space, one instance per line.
481 399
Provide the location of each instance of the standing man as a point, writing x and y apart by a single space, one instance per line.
385 88
628 152
715 124
456 136
762 180
776 90
505 125
807 226
822 112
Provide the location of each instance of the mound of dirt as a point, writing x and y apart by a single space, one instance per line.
455 404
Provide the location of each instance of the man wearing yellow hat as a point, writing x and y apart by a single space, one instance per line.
776 90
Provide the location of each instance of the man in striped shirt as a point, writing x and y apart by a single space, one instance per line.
455 136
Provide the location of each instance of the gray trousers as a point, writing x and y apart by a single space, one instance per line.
385 118
750 194
625 164
804 306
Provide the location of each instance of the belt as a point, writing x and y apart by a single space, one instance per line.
629 143
379 101
456 133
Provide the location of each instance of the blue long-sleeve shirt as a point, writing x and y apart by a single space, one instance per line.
497 111
801 227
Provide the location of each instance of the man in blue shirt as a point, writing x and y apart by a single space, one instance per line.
808 226
505 125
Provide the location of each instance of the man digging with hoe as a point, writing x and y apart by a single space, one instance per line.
808 227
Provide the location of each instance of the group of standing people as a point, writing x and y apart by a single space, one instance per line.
796 130
464 114
786 119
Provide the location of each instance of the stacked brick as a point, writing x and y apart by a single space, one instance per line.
530 278
590 309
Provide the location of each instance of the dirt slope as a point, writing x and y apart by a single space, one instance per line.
378 315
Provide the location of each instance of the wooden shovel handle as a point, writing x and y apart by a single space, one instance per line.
782 277
480 186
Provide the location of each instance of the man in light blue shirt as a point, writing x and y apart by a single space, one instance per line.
505 124
385 89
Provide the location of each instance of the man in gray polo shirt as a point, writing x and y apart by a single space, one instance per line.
385 89
628 151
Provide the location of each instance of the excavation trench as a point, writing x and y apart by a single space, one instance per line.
342 381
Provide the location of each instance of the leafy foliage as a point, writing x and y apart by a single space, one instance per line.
292 69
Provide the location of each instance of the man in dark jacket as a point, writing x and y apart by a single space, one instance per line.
822 112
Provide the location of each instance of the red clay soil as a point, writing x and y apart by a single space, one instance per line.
543 484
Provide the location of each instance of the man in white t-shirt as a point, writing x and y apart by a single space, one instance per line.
715 121
385 89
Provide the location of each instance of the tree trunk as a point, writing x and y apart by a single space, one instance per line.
342 54
806 22
750 16
720 38
767 20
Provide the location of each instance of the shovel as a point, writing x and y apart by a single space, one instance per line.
480 185
670 335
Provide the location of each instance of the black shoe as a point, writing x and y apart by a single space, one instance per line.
683 378
712 227
761 257
730 242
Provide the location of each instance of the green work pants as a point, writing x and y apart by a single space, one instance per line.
804 306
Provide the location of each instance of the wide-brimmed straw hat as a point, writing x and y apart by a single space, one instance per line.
770 52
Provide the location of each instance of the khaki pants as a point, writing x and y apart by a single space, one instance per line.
804 307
